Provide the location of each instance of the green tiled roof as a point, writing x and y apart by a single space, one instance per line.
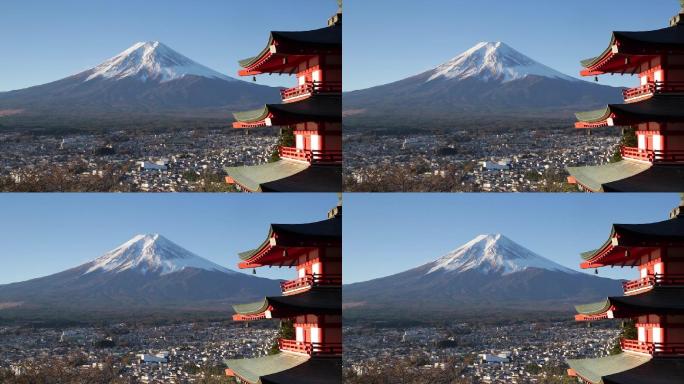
595 369
593 308
594 177
252 177
327 36
252 115
589 62
251 308
589 254
246 255
314 371
594 116
253 369
324 300
245 62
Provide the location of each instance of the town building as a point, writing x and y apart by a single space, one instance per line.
312 303
312 111
654 110
654 302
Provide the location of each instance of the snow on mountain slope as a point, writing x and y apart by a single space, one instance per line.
152 60
494 61
493 254
151 253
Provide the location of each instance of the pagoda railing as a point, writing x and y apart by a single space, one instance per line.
311 155
310 348
311 88
651 155
310 281
651 348
651 281
653 88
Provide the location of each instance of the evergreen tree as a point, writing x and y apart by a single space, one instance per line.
286 139
628 332
286 331
629 139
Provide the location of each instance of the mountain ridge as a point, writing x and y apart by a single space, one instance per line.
146 274
149 81
534 283
489 79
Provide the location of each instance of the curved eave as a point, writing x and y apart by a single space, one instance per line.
658 300
596 178
293 239
285 50
256 308
254 118
600 309
627 50
595 370
313 109
313 301
252 370
595 119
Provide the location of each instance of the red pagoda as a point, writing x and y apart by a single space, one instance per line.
654 109
312 302
655 302
312 110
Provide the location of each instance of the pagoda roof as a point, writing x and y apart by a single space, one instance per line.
627 50
594 178
658 300
634 238
657 108
313 371
313 301
252 370
655 371
285 50
594 370
287 176
315 108
630 176
292 237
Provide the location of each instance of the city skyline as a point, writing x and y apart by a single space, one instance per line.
76 228
412 38
379 242
75 35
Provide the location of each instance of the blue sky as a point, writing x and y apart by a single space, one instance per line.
389 233
43 41
388 40
47 233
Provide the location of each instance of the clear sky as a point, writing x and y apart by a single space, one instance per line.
389 233
387 40
43 41
43 234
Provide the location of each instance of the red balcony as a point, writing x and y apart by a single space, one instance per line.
309 348
650 281
311 155
653 156
310 88
310 281
654 349
650 89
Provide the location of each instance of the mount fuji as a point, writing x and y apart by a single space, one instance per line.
488 272
146 274
148 80
489 78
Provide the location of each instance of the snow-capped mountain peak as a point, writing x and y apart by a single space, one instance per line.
151 253
494 61
152 60
493 253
